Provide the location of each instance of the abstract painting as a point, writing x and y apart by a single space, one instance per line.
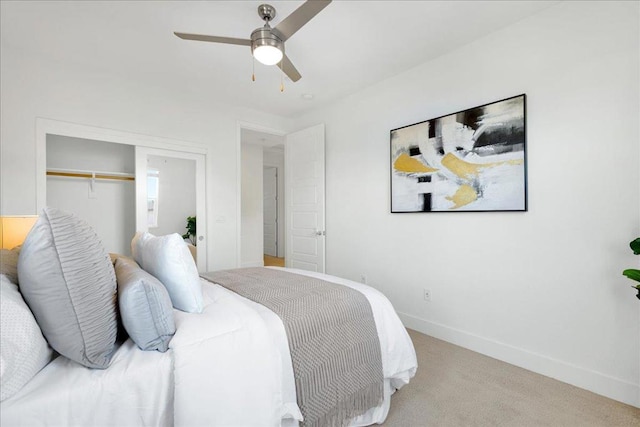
473 160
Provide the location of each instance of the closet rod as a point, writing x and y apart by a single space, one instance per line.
70 173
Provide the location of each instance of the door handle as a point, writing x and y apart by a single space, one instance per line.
320 233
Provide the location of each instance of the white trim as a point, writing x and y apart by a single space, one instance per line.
46 127
594 381
253 264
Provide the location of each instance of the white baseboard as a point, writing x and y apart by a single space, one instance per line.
596 382
253 264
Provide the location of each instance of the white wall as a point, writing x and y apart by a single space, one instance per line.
541 289
275 157
111 209
38 87
252 242
177 193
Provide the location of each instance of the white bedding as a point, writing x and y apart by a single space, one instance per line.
136 390
230 365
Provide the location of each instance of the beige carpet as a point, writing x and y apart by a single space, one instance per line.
458 387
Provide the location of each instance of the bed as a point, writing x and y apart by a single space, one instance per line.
228 365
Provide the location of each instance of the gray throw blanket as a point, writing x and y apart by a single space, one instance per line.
335 351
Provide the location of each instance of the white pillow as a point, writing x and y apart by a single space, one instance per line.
169 260
23 349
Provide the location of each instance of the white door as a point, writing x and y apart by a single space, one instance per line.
270 207
170 186
304 188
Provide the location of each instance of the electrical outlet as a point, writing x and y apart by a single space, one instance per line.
426 293
363 279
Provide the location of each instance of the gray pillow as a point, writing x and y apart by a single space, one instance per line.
145 306
67 279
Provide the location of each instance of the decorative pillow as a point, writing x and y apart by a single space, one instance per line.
168 259
145 306
23 349
9 263
68 281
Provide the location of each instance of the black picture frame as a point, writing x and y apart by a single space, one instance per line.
473 160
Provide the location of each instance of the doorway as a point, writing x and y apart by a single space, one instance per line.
301 201
262 201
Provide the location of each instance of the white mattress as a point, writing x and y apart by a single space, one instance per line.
227 366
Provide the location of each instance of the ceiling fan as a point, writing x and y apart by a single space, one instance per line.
267 44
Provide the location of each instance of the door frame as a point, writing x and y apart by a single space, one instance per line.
46 127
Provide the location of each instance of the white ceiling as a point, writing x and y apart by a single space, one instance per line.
265 140
348 46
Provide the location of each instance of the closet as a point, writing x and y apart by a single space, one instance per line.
95 181
120 188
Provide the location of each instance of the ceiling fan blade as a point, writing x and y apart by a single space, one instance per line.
289 69
215 39
299 17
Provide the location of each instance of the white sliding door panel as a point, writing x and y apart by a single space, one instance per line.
170 186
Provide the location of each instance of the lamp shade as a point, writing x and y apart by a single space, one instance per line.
14 229
268 55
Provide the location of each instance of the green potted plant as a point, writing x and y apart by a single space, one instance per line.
633 273
191 230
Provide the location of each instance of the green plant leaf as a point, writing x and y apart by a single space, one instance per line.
635 246
632 274
191 230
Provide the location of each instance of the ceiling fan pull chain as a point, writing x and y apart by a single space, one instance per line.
281 78
253 70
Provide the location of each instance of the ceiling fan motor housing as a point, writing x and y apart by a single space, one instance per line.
263 36
266 12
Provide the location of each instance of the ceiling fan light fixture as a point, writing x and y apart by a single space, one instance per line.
266 47
267 44
268 55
